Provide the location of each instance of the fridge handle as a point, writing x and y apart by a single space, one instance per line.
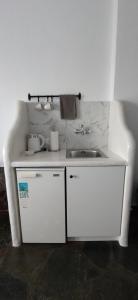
30 175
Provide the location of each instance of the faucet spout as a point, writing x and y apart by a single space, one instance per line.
82 130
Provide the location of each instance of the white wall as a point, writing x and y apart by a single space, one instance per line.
53 46
126 78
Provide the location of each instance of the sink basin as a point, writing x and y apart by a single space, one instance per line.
84 153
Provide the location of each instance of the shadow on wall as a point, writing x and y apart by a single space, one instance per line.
131 115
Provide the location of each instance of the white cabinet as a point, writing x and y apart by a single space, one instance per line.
94 201
42 205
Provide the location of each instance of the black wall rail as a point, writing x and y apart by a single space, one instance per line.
48 96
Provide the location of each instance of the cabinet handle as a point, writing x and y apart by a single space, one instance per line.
38 175
56 175
73 176
29 175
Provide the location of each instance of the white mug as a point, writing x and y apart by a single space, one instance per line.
47 106
38 106
35 142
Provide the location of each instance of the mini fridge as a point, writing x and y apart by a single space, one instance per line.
41 194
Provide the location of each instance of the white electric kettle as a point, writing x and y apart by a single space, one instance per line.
35 142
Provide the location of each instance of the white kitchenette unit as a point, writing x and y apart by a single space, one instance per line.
53 198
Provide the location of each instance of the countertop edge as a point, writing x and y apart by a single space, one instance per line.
58 159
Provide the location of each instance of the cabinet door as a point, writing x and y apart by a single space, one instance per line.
94 201
42 205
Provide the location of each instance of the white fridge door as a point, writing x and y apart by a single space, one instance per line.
42 205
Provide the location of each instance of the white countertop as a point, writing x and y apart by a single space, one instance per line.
58 159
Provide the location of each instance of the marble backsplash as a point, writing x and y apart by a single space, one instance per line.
94 115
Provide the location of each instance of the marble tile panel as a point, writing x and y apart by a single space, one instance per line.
94 115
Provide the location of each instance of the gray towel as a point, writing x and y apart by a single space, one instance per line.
68 107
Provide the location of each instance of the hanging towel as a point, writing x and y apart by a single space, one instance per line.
68 107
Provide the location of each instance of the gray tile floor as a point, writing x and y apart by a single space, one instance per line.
79 271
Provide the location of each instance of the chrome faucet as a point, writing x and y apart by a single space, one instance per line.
82 130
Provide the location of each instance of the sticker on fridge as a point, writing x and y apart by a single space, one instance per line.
23 190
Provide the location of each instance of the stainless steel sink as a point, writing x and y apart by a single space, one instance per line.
84 153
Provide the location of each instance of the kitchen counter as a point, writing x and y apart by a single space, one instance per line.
58 159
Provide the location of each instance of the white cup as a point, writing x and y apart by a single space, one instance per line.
38 106
47 106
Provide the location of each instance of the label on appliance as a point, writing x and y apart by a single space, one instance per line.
23 190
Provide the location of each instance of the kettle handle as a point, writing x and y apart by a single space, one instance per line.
42 141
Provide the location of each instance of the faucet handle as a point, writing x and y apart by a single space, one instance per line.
87 130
